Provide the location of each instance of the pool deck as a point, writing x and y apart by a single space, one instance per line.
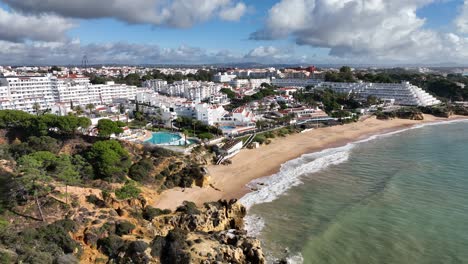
147 136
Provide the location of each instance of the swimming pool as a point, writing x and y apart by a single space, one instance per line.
167 138
227 127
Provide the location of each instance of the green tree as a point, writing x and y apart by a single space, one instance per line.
55 68
78 110
109 159
33 177
230 94
43 143
84 122
107 127
141 170
90 108
37 108
128 191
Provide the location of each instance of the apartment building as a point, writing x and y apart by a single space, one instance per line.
192 90
27 92
402 93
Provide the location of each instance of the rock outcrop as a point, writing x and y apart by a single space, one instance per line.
209 234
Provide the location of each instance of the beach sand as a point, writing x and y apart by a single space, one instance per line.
229 181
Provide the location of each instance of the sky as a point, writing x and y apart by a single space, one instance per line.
376 32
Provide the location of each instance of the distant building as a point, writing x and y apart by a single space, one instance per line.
223 77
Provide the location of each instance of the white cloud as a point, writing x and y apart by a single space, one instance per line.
461 22
17 27
371 29
234 13
70 52
176 13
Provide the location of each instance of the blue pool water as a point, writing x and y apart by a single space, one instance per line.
227 127
166 138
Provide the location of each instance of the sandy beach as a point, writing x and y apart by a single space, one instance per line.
229 181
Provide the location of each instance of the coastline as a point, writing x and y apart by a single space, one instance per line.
229 182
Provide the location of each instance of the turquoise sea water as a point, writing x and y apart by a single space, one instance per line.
401 198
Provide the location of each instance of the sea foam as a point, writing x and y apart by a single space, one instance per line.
268 189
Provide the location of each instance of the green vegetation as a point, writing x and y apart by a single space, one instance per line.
150 212
44 244
109 159
412 113
128 191
230 93
184 177
124 228
344 75
43 156
107 127
196 128
331 100
188 208
169 248
141 171
42 124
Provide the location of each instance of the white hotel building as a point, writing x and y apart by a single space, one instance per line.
50 92
192 90
403 93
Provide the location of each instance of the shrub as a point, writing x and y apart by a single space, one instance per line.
43 143
150 212
137 246
157 246
205 135
170 248
188 208
260 139
128 191
124 228
93 199
58 233
111 245
140 171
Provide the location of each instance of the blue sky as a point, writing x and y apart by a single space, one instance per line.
270 31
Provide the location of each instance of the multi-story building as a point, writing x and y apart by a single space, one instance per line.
219 98
27 93
155 84
192 90
402 93
209 114
224 77
295 82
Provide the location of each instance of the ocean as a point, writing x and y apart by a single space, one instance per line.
401 197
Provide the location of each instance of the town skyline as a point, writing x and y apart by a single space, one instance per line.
297 32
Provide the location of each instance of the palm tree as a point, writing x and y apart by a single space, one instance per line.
36 107
89 107
78 110
217 128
